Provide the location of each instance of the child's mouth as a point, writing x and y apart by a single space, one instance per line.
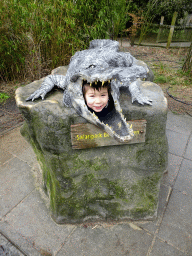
98 107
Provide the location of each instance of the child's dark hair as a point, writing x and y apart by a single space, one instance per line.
97 86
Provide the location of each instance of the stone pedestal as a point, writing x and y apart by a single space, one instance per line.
113 182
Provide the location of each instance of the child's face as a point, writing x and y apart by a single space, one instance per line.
95 99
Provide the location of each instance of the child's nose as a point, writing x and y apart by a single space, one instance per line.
97 100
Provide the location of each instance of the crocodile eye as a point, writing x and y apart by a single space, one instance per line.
91 66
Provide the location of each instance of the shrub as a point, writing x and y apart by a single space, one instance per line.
43 34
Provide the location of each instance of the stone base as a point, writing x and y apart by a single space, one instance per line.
113 182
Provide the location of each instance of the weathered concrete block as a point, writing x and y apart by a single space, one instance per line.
113 182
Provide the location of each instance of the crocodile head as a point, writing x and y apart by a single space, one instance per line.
104 63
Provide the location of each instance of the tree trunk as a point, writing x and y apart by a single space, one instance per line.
187 66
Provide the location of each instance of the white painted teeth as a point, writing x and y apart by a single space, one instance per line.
119 124
96 81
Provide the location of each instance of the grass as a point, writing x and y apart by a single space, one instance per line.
3 97
7 89
165 74
179 82
160 79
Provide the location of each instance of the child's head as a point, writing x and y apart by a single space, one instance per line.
96 95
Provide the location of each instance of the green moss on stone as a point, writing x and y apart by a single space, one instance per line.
145 194
117 190
77 189
95 164
154 154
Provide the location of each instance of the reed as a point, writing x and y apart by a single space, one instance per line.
37 36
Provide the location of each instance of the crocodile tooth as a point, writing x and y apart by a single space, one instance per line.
95 116
90 84
119 124
103 83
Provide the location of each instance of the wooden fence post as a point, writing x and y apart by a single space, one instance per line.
187 66
171 29
160 29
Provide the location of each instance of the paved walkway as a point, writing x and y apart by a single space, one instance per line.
26 227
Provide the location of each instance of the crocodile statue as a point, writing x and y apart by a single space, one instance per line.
102 62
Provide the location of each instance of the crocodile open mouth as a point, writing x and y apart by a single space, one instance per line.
113 121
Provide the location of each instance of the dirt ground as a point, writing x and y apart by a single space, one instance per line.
10 116
172 58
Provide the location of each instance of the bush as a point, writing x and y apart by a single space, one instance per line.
43 34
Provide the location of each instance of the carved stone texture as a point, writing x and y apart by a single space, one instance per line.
103 183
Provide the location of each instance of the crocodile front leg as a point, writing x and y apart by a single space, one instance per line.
137 95
47 85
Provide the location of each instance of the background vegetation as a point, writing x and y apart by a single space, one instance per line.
37 36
